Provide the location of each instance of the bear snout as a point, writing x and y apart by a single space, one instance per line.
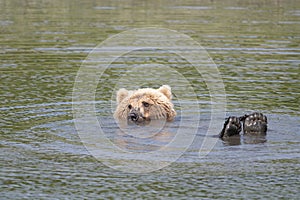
133 116
136 116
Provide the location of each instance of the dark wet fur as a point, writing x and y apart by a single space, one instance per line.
232 126
253 124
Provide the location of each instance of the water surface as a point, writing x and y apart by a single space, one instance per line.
255 45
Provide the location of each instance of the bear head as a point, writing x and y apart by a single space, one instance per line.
145 104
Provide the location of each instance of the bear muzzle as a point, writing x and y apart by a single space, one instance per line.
136 116
133 116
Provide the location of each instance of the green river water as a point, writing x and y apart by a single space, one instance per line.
255 45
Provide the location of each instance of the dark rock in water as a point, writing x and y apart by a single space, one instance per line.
254 124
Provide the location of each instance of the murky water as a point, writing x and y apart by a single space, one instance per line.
255 45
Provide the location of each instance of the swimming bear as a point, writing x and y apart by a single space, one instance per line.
253 124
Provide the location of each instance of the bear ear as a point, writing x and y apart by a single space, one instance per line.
166 90
121 95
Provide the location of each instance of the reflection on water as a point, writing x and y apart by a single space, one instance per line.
238 140
141 138
255 45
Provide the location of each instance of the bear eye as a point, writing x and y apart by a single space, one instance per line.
145 104
129 106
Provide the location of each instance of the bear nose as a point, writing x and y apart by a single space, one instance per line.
134 116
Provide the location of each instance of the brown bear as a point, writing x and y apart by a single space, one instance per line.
142 105
253 124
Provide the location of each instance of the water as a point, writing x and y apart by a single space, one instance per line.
255 45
